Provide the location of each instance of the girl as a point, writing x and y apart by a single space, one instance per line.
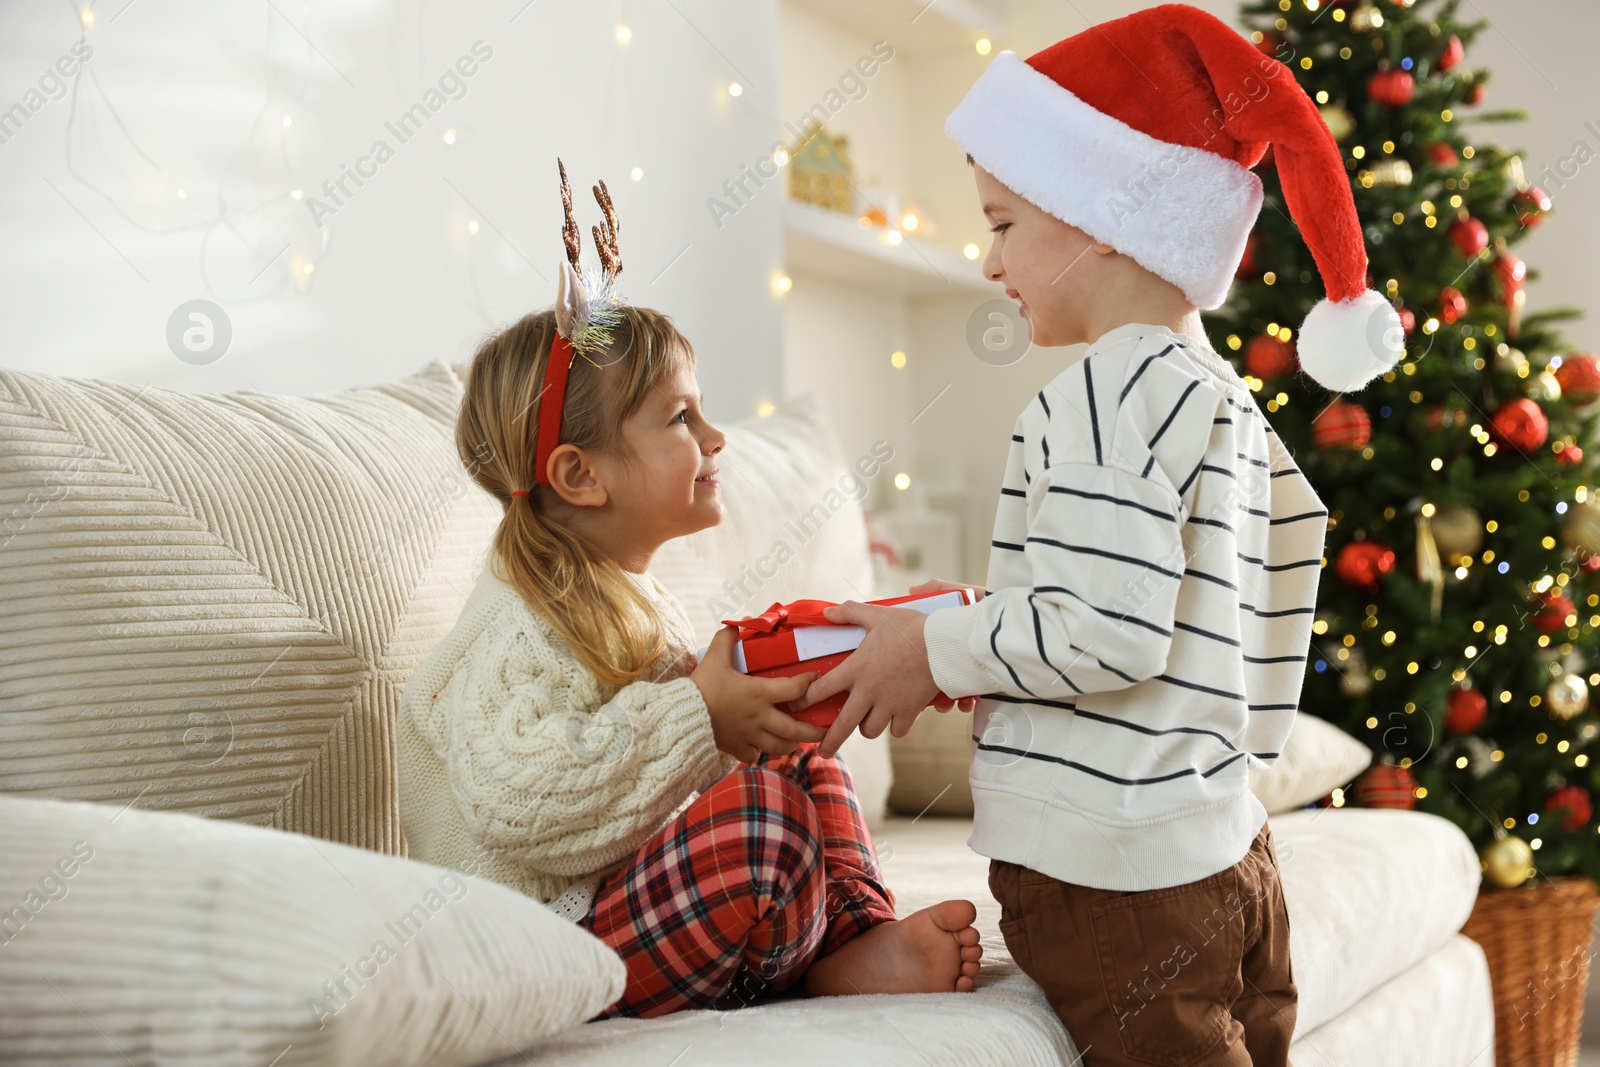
564 739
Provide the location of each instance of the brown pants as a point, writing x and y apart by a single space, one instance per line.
1194 974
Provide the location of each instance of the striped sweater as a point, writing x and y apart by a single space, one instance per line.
1143 639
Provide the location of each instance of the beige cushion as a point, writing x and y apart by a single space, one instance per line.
137 937
1317 757
213 601
932 761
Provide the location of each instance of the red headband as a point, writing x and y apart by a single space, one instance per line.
551 400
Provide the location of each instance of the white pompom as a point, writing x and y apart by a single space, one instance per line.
1345 344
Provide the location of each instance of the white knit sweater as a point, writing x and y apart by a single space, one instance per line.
1143 641
517 765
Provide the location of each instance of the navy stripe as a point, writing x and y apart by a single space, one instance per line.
1090 551
1107 612
1170 680
1285 472
1038 636
1291 566
1007 698
1147 361
1151 731
1184 488
1044 404
1085 768
1005 544
1253 461
1017 437
1094 416
1208 633
1212 578
1130 679
994 647
1273 707
1212 522
1194 384
1214 469
1276 614
1115 500
1275 659
1297 518
1011 492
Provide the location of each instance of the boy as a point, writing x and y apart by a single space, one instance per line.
1142 640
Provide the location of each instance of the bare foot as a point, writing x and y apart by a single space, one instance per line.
935 950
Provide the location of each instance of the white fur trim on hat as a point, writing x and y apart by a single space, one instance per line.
1345 344
1181 213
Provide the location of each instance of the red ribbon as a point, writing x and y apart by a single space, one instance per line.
775 618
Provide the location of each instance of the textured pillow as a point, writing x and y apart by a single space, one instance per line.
213 601
1317 757
137 937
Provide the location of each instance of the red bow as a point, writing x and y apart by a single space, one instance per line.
775 618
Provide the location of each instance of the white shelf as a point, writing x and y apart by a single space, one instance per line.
831 244
912 25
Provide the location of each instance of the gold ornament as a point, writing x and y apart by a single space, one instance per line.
1544 387
1339 120
1567 696
1511 361
1457 531
1365 19
1507 861
1581 530
1429 570
1354 678
1391 171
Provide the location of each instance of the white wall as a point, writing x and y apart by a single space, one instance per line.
97 248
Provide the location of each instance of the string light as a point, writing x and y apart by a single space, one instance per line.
970 251
624 34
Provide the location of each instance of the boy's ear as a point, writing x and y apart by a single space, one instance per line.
1103 249
575 478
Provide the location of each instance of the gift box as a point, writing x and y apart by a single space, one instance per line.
794 638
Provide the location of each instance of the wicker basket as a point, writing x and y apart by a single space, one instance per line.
1536 938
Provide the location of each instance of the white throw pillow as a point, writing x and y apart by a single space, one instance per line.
214 600
1317 757
136 937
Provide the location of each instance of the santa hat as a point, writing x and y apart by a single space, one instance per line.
1141 132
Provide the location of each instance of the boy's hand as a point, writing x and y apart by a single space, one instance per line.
888 676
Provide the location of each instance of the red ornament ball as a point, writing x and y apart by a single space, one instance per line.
1342 425
1452 55
1552 612
1521 424
1387 785
1531 204
1443 155
1465 711
1579 377
1439 418
1452 305
1572 802
1268 357
1362 563
1408 321
1392 88
1511 271
1470 235
1571 456
1477 94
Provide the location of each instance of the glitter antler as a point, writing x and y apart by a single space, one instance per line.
569 228
605 238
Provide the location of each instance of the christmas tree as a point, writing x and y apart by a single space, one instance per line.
1458 616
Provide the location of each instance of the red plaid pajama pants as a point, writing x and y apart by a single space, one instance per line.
730 901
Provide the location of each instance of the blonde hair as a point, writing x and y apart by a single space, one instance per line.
583 593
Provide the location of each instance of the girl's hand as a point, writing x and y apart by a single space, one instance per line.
745 719
939 585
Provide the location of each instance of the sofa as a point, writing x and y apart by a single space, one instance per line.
214 602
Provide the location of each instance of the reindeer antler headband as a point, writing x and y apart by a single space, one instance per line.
587 308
